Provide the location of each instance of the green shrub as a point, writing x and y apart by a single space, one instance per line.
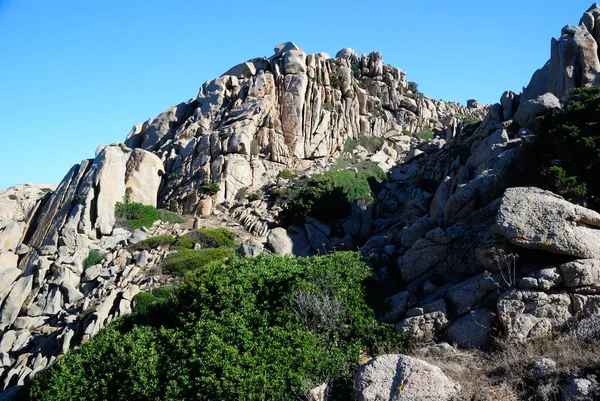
208 238
568 148
133 215
173 176
13 197
170 217
252 196
244 332
285 174
154 242
209 188
406 132
142 302
93 258
355 71
46 190
166 292
328 196
185 260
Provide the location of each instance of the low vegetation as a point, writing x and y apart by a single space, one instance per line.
93 258
209 188
244 329
186 260
13 197
285 174
505 373
155 242
426 134
209 238
328 196
133 215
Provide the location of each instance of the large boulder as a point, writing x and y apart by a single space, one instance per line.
536 107
401 377
142 177
536 219
110 180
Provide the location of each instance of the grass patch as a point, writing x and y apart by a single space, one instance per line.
185 260
170 217
13 197
246 331
426 134
93 258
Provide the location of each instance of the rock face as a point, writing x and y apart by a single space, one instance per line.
400 377
538 219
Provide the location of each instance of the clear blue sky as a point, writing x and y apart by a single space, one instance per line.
76 74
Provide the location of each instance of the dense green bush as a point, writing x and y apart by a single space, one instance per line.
210 188
154 242
142 302
327 196
569 147
185 260
13 197
93 258
234 335
133 215
208 238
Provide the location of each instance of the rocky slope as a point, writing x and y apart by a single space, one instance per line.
449 229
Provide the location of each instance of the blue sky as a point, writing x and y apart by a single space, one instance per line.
76 74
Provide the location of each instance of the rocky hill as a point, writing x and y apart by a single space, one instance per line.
467 245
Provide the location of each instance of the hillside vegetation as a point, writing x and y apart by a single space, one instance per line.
245 329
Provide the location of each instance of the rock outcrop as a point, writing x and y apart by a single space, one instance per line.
401 377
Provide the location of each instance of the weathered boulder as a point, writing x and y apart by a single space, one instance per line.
580 273
536 107
401 377
142 177
472 330
292 241
10 235
536 219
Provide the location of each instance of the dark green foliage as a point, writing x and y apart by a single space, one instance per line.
173 176
569 147
46 190
13 197
355 71
142 302
93 258
239 333
210 188
154 242
327 196
170 217
285 174
252 196
185 260
133 215
208 238
406 132
164 293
